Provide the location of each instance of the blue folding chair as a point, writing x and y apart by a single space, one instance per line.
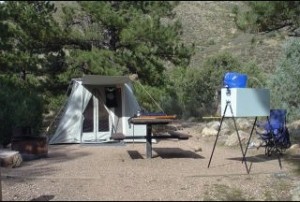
276 136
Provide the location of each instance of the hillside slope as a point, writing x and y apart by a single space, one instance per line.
210 26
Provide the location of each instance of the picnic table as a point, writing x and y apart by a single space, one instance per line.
150 121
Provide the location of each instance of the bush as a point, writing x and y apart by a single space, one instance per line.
284 83
23 108
267 15
197 90
149 97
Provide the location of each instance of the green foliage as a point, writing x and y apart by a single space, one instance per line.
31 43
138 37
138 40
27 30
197 90
23 107
149 97
209 80
105 38
268 15
284 82
256 77
98 61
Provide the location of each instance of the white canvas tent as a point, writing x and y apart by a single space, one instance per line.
97 107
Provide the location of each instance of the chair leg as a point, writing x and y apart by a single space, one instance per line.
268 150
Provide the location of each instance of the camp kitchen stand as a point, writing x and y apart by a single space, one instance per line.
243 102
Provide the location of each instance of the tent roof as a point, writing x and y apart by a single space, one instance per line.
104 80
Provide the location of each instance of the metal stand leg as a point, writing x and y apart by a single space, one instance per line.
240 142
149 141
244 154
249 140
218 134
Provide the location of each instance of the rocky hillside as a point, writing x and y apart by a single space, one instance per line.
210 26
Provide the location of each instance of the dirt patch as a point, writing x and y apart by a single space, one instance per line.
178 171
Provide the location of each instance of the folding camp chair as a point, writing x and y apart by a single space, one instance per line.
275 135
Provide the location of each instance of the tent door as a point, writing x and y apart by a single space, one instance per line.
97 120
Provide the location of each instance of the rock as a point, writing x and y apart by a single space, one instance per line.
293 150
244 124
294 125
295 146
213 124
232 140
209 132
225 132
173 127
10 158
191 119
197 148
133 77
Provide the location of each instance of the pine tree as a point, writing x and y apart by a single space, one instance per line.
139 37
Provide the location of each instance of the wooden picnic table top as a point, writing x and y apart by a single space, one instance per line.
153 119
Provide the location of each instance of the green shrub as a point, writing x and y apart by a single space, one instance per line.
267 15
197 90
21 107
284 83
149 97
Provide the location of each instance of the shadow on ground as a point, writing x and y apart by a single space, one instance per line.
256 159
43 198
166 153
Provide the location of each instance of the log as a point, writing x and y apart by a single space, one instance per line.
10 158
30 147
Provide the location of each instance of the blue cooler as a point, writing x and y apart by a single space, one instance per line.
235 80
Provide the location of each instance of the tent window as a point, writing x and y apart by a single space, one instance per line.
88 123
103 118
111 97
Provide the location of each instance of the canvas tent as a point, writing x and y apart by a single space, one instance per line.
97 107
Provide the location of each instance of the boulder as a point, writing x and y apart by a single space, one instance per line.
197 148
244 124
213 124
209 132
294 125
10 158
232 140
293 150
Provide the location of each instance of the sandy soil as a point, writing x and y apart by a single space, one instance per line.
178 171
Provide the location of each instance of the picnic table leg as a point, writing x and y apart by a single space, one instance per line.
149 141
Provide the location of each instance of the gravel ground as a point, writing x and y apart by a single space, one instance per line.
178 171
